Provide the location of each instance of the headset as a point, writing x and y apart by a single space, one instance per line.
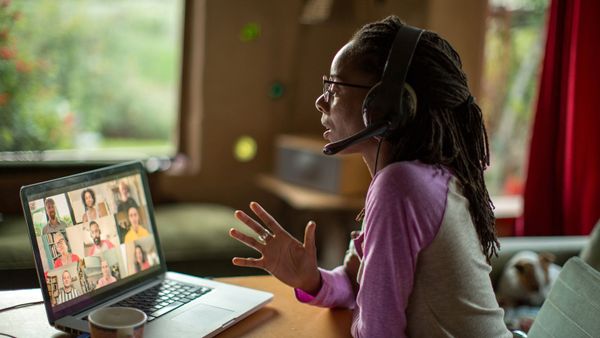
384 107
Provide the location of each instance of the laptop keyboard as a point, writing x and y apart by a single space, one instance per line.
164 298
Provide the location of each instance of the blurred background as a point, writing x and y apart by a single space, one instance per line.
202 89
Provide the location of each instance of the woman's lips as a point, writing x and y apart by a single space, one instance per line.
326 134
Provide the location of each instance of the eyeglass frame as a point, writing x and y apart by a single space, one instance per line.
328 83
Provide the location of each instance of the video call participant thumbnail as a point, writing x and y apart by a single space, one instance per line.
54 223
99 245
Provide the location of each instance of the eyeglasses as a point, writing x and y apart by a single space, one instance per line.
328 83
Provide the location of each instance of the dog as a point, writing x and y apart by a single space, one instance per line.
527 279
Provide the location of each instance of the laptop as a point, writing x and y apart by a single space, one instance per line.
96 244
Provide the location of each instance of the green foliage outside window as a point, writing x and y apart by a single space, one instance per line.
71 70
25 94
513 54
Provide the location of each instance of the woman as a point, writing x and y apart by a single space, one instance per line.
420 265
141 260
62 247
88 197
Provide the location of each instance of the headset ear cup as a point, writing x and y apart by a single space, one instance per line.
378 105
368 110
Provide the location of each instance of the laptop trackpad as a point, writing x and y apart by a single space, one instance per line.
202 316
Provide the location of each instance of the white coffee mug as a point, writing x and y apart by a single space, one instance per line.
117 322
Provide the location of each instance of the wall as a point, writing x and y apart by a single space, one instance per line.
230 97
462 23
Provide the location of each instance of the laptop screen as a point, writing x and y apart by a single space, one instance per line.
93 232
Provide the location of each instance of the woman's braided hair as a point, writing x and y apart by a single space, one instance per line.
448 127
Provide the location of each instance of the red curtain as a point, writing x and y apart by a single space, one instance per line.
562 192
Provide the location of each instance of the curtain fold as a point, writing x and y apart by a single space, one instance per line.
562 191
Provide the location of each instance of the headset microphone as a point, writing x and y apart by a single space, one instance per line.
370 131
383 107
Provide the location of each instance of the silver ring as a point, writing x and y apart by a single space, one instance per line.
263 237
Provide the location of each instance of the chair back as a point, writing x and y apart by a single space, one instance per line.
572 308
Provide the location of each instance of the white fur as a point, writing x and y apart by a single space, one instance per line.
510 290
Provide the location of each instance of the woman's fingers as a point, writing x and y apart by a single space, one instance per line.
247 240
267 219
248 262
309 237
250 222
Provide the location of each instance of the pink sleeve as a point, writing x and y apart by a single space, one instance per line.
403 215
336 290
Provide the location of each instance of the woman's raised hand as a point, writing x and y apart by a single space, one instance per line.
283 256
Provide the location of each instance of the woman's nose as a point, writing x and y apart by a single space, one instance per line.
320 104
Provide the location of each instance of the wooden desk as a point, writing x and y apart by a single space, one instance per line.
284 316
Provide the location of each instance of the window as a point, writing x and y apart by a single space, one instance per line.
514 49
89 80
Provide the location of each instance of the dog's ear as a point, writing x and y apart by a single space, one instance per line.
546 259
